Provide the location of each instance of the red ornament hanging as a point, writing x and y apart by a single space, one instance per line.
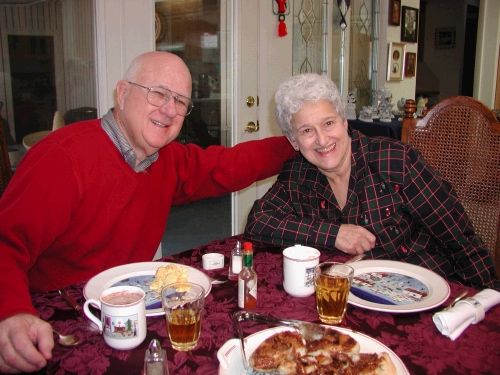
281 18
282 26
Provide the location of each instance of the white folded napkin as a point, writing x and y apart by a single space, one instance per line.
454 321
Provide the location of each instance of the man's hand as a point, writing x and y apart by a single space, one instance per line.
26 344
353 239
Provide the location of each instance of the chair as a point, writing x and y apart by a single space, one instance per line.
32 138
5 167
80 114
460 138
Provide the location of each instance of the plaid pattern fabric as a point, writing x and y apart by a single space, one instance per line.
393 193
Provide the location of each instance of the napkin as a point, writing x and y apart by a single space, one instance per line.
454 321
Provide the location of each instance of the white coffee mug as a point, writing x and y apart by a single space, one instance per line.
298 270
123 316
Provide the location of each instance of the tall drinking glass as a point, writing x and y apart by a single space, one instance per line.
183 305
332 283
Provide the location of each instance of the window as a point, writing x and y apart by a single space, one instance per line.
47 65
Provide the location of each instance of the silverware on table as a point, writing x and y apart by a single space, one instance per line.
71 301
352 260
215 282
310 331
67 340
355 259
78 308
455 300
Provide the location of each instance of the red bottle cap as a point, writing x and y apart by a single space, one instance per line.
247 246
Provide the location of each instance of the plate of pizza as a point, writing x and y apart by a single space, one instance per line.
396 287
280 350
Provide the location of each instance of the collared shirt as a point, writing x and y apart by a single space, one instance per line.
110 126
414 214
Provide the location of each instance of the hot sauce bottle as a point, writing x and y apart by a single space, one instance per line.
247 280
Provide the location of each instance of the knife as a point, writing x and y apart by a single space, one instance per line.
310 331
71 301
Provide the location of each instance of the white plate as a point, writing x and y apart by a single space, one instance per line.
231 361
397 287
141 275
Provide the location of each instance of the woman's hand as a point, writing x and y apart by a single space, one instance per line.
353 239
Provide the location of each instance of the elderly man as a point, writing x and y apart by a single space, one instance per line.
97 194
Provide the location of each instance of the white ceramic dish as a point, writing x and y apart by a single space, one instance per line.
231 361
141 275
396 287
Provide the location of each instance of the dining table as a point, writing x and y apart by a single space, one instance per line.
412 336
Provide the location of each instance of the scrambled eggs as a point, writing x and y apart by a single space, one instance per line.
169 274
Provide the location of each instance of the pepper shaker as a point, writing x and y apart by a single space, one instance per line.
155 360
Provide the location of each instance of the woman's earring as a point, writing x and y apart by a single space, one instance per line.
296 148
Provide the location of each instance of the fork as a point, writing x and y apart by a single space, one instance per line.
215 282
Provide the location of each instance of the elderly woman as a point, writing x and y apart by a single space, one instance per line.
355 194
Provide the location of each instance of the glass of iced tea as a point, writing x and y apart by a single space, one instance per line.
183 304
332 282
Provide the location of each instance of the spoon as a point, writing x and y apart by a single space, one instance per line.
352 260
217 281
355 259
67 340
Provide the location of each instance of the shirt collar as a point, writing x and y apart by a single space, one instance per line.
111 128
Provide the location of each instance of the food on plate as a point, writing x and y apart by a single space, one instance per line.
169 274
288 352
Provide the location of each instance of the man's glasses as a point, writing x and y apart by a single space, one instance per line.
158 96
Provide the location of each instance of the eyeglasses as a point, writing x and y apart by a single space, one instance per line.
158 96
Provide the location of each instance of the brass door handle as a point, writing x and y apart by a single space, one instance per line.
252 127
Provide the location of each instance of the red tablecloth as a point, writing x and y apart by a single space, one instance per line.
413 337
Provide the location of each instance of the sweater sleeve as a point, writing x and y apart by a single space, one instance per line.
219 170
34 210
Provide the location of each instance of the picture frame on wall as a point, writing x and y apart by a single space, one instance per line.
409 24
157 27
410 64
396 61
395 12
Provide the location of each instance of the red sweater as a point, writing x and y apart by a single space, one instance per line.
75 208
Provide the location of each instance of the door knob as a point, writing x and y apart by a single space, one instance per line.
252 127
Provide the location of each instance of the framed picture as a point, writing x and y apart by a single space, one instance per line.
157 27
409 26
396 61
395 12
410 64
445 38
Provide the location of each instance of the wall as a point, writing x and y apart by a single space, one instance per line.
124 30
487 53
445 63
406 87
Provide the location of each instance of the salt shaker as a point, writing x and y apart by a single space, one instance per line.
235 265
155 360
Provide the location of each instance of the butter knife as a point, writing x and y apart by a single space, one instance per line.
71 301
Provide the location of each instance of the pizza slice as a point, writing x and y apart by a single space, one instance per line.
288 352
